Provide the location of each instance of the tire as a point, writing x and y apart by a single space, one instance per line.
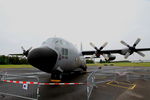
56 76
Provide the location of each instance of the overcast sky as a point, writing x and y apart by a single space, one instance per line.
29 22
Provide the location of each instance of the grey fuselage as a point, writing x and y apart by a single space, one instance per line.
56 54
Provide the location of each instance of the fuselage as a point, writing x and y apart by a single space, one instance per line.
56 54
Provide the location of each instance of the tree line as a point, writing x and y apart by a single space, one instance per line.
13 60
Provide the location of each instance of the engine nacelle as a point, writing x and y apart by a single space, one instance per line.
111 57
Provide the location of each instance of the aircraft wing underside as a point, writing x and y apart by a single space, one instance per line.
101 52
16 54
143 49
119 51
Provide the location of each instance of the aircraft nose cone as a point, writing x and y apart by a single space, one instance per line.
42 58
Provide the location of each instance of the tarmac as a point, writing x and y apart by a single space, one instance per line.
110 83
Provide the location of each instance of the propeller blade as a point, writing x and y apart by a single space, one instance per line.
124 43
106 57
93 46
136 42
23 48
127 55
29 48
25 52
103 45
140 53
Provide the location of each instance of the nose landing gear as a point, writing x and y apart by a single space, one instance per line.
56 77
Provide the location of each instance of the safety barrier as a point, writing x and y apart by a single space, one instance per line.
91 84
95 78
27 82
22 90
130 76
27 87
113 77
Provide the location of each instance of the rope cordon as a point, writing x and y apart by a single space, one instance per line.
27 82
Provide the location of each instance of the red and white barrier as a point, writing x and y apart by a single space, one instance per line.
27 82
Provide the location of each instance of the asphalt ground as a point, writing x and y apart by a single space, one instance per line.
131 83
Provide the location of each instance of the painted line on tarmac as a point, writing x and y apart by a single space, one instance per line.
121 85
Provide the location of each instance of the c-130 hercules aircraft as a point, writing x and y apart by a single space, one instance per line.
58 56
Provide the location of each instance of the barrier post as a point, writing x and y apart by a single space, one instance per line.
90 83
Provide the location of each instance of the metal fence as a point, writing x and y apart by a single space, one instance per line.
19 87
97 77
128 76
90 84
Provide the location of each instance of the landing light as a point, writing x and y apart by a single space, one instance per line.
55 81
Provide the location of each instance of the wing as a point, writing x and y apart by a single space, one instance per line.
16 54
102 52
119 51
143 49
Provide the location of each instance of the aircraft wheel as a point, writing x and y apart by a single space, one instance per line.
56 76
84 68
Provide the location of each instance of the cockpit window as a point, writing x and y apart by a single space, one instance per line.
64 51
61 42
56 41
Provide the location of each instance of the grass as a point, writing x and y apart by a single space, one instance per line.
144 64
16 66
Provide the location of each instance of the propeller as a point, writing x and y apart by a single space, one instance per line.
25 52
97 53
93 46
132 49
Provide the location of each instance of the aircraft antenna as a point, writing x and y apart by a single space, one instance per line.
81 48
